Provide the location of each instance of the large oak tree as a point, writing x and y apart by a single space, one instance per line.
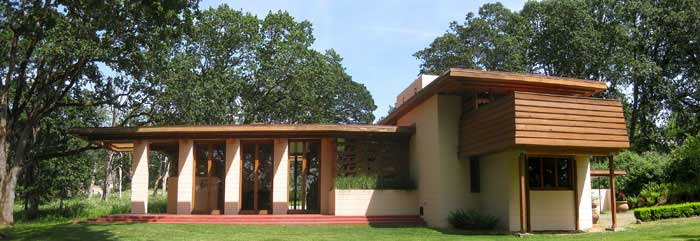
51 54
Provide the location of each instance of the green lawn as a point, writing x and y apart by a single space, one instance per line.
678 229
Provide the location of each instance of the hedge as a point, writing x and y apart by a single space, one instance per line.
668 211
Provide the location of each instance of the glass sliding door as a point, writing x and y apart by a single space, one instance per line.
304 176
256 174
209 178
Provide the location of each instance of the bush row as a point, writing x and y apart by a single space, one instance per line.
373 182
668 211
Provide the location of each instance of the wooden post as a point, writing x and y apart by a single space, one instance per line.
521 165
613 202
574 184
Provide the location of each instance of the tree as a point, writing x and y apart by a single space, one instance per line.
51 61
647 51
494 40
235 68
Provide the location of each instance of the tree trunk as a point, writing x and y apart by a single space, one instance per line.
120 180
160 176
7 196
635 112
165 176
108 174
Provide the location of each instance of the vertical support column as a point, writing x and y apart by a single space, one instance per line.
327 174
232 183
185 166
522 183
613 202
583 187
139 178
280 179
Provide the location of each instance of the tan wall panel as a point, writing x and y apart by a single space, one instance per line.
375 202
552 210
232 180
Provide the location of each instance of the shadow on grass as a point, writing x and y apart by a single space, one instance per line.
64 231
448 231
687 237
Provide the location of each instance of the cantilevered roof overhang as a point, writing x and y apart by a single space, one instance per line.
458 80
121 139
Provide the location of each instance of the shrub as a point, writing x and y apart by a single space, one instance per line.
653 193
373 182
633 201
684 192
471 220
668 211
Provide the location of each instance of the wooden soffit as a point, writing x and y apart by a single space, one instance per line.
116 138
460 81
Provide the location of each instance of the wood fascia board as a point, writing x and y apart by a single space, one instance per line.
593 86
109 134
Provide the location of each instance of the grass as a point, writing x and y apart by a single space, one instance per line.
84 207
56 225
676 229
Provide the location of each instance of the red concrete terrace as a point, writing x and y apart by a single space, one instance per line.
292 219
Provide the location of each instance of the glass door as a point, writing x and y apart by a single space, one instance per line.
304 175
256 174
209 178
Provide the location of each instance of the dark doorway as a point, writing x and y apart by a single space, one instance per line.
304 176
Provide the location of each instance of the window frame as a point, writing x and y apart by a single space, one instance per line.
571 169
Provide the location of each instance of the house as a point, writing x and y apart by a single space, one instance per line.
516 146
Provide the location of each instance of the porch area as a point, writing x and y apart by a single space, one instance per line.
243 174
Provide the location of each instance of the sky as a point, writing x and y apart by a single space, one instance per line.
377 39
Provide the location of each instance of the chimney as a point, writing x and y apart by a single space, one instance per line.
421 82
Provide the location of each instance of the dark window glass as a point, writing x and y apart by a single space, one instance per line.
549 169
533 171
550 173
564 173
475 179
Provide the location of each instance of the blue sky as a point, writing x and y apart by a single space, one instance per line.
377 39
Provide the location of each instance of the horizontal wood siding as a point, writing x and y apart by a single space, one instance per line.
551 120
490 128
543 120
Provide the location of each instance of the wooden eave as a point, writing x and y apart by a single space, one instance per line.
606 173
458 81
120 139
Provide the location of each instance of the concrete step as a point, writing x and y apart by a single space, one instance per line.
263 219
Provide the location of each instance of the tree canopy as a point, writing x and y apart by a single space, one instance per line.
233 67
647 51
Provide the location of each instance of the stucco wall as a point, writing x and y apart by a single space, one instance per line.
552 210
442 179
280 179
583 179
375 202
232 179
424 157
499 190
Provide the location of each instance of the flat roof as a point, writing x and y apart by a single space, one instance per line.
458 80
120 138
